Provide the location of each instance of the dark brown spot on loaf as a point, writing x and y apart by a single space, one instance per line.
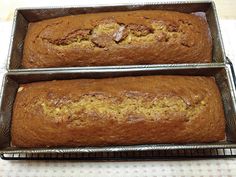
172 27
162 37
100 41
139 30
146 17
72 37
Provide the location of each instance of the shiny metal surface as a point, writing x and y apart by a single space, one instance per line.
221 72
24 16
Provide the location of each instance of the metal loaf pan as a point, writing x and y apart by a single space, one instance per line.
24 16
222 73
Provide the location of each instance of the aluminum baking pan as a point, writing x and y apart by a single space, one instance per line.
221 72
24 16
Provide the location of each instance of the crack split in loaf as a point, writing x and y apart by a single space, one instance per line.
118 38
118 111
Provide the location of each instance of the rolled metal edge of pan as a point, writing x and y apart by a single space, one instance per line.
219 31
151 147
118 68
10 49
231 123
4 123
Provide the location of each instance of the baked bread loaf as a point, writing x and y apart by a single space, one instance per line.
118 38
118 111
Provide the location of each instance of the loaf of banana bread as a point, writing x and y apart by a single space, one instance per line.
118 111
118 38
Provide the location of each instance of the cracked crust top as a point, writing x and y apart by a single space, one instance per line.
118 38
118 111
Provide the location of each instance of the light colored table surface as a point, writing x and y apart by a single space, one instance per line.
226 8
213 167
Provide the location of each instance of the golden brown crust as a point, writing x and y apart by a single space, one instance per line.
118 111
118 38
